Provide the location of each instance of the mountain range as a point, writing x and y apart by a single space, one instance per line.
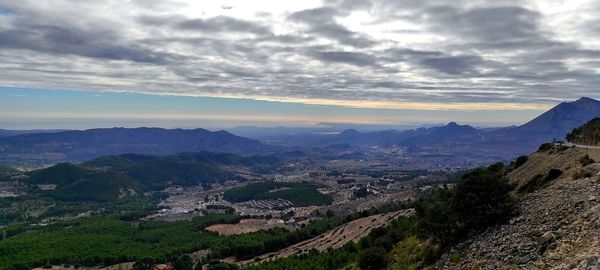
453 139
511 141
88 144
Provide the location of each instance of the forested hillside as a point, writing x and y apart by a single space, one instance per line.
588 134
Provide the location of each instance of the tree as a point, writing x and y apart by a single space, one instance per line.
482 199
184 262
222 266
373 258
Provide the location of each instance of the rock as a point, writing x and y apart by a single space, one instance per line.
546 238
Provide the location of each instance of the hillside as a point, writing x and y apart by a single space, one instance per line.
87 144
588 134
557 222
111 177
6 172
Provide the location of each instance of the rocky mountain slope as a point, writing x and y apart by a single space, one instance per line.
558 224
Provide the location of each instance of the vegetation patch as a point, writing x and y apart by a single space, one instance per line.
540 180
413 253
481 199
300 194
586 160
521 161
545 147
588 134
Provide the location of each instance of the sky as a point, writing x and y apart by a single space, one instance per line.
175 63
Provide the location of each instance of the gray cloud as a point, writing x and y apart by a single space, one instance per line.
59 40
223 24
453 64
321 22
210 25
352 58
422 51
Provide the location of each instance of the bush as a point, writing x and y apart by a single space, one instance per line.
545 147
539 180
582 174
521 161
586 160
553 174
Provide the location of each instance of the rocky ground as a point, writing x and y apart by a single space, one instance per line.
558 227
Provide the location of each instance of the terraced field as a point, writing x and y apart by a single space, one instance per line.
336 238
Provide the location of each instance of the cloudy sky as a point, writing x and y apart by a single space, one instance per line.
293 62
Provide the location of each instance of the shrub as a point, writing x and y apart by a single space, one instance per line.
545 147
521 161
553 174
582 174
586 160
539 180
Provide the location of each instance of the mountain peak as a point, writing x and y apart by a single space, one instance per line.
560 120
349 132
586 100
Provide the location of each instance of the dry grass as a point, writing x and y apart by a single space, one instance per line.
539 163
248 226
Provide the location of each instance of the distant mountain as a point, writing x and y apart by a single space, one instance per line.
553 124
8 133
88 144
560 120
264 133
385 138
454 140
424 136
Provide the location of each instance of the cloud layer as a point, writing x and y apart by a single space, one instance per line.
367 53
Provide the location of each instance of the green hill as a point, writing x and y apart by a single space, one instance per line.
60 174
111 177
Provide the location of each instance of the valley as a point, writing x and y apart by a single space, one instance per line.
344 201
299 135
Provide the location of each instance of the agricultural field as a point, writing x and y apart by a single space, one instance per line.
299 194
